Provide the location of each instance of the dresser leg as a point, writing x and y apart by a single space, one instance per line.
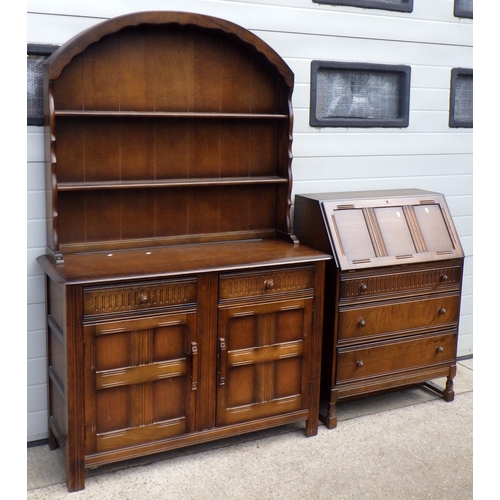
311 426
53 444
75 477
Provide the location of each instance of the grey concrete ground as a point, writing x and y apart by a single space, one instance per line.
407 445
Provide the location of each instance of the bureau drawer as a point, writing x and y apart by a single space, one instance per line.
102 300
384 358
264 283
433 279
383 318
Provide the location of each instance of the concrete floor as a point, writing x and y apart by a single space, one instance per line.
408 444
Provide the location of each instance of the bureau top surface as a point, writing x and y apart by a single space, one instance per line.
176 260
370 195
367 229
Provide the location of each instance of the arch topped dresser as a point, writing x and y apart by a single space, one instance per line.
180 307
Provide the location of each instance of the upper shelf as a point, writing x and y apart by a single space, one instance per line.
160 183
163 129
170 114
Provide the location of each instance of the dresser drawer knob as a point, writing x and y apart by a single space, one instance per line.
269 284
143 299
439 349
359 363
444 277
442 311
361 322
363 288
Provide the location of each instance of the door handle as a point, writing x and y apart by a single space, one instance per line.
194 366
222 361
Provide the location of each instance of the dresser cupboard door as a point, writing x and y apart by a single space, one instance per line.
140 380
263 360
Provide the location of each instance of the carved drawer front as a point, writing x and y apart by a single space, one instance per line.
383 318
145 296
400 283
263 283
384 358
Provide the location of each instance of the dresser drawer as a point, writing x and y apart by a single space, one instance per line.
102 300
407 282
264 283
382 318
390 357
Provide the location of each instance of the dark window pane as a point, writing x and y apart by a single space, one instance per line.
35 89
463 8
397 5
461 98
357 94
37 54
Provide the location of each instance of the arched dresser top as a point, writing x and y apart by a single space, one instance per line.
79 43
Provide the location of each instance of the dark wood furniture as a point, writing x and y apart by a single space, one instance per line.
180 307
392 298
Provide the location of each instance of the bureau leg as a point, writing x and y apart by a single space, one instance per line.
330 419
449 393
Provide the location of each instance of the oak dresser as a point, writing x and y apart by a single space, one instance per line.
180 307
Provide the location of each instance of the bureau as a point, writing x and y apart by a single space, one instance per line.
393 290
180 306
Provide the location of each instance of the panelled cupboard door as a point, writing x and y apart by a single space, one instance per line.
140 380
263 360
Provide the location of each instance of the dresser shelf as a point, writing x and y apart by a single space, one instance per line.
169 183
169 114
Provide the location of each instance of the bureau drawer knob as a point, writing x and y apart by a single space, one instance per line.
360 363
442 311
439 349
143 299
269 284
362 322
363 288
444 277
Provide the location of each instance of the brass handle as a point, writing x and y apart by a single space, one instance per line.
361 322
359 363
439 349
194 367
143 299
442 311
269 284
363 288
222 361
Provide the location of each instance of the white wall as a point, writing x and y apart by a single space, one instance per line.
427 154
